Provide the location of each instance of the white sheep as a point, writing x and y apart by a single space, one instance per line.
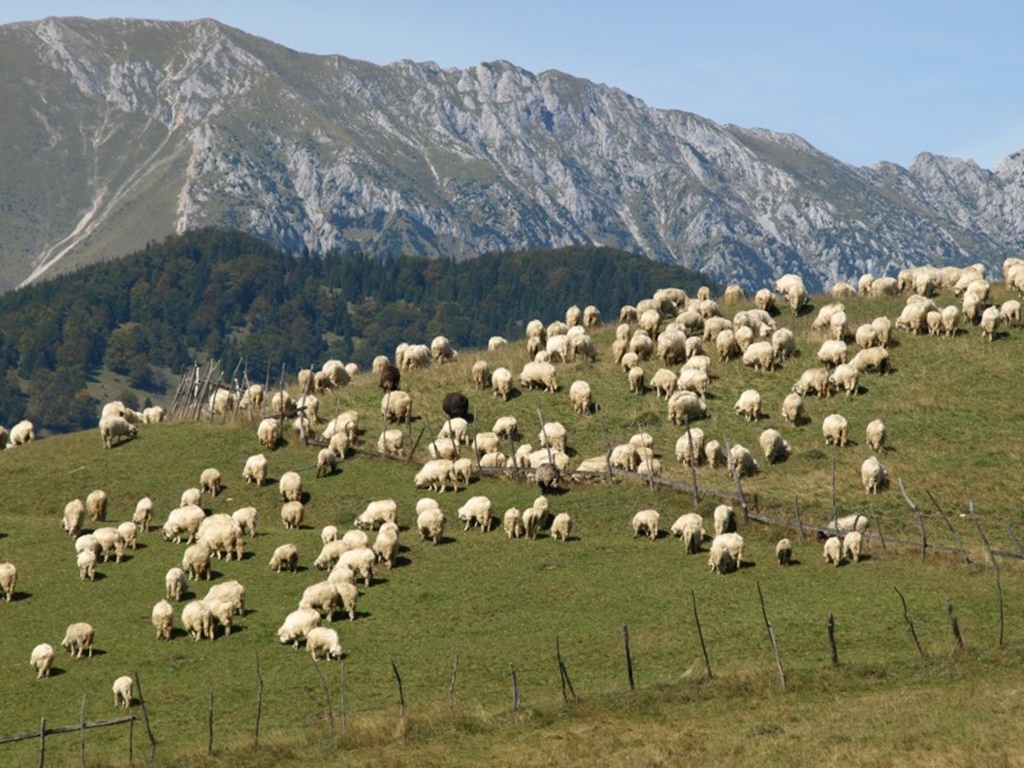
793 409
22 433
533 521
323 640
726 553
163 619
86 561
832 352
268 432
143 513
322 596
814 380
183 521
255 470
501 383
990 321
833 551
290 486
437 474
463 469
845 377
646 521
74 512
685 404
231 592
784 552
760 355
690 446
78 638
773 446
430 523
297 625
714 453
111 543
175 584
741 461
553 434
362 561
748 405
116 428
285 558
1009 312
197 619
561 527
390 443
724 518
851 546
191 497
246 518
476 510
376 513
693 380
195 561
210 481
292 514
512 523
876 435
96 505
129 532
386 544
872 360
873 475
42 659
539 375
690 530
581 397
835 429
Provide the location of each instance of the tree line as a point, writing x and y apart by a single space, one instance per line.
226 295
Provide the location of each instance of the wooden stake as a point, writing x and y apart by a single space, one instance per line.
145 716
832 640
771 636
700 635
327 694
515 688
259 701
954 624
920 518
949 525
910 623
401 695
995 565
799 522
451 688
209 726
83 731
629 656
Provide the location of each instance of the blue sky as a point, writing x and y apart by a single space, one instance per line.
863 81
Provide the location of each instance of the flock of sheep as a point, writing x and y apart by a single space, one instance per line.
688 335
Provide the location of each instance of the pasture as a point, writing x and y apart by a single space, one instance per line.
953 412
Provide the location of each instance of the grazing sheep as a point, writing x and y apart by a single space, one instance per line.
851 546
724 518
195 561
835 430
130 533
297 625
42 659
741 461
175 584
396 406
561 527
183 522
715 454
285 558
845 377
833 552
115 428
255 470
816 380
386 544
246 519
143 513
377 513
437 474
197 619
748 405
873 475
847 523
685 404
866 336
292 513
693 380
361 560
832 352
950 317
646 520
74 512
476 510
784 552
533 520
78 638
322 596
96 505
501 383
326 462
793 409
290 486
726 553
163 620
429 521
876 435
553 434
1009 312
990 320
122 689
86 561
539 375
209 481
760 356
690 529
512 523
323 640
191 497
22 433
111 543
774 447
441 350
690 446
873 360
268 432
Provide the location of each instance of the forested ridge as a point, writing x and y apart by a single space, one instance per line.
226 295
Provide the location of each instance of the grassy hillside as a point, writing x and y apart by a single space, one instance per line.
952 414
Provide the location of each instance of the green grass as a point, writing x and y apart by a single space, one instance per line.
952 415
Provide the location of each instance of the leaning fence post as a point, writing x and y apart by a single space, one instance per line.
209 727
131 738
42 742
799 522
259 700
451 688
954 624
83 731
700 635
832 640
920 519
771 637
145 715
344 713
401 696
515 688
629 656
910 623
995 564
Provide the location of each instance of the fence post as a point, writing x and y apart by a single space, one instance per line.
344 713
259 701
629 657
917 513
209 726
700 635
327 694
771 636
131 738
451 688
83 731
515 688
145 715
832 639
995 564
401 695
799 522
42 742
954 624
906 617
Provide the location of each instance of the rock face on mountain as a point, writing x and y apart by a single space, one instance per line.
118 132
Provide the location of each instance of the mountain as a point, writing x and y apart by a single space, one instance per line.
118 132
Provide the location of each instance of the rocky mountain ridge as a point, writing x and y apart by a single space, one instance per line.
123 131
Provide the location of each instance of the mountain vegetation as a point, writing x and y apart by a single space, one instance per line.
225 295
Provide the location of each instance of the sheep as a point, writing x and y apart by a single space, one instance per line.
129 533
591 316
115 428
690 446
1009 312
883 286
636 380
86 561
724 518
950 318
873 475
111 543
443 448
646 520
851 546
690 530
78 638
268 432
74 512
377 513
773 446
455 428
396 406
685 404
533 521
553 434
430 523
183 522
714 454
413 356
191 497
210 481
230 592
832 352
540 375
693 380
501 383
816 380
297 625
386 544
725 344
143 513
361 560
285 558
671 347
726 553
876 435
255 470
162 618
783 345
875 359
323 597
197 619
624 456
195 561
42 659
793 409
476 510
741 461
96 505
580 397
760 356
323 640
832 551
561 527
512 523
845 377
990 320
389 376
292 514
505 427
784 552
437 474
748 405
835 430
22 433
290 486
